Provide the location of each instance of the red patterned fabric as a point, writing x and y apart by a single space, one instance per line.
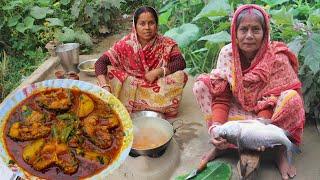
128 55
100 66
175 64
269 65
272 72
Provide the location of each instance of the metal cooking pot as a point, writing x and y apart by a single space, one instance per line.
145 119
69 56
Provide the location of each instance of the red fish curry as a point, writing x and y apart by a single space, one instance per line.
63 134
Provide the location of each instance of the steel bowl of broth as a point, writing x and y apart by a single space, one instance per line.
87 67
151 133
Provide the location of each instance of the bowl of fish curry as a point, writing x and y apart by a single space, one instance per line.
64 129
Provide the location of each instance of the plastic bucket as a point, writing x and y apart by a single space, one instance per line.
69 56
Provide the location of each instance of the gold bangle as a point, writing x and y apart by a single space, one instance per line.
164 71
105 85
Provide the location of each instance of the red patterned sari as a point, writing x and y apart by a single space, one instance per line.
130 62
270 81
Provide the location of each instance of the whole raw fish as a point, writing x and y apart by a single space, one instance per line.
253 134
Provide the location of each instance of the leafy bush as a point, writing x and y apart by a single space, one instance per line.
39 21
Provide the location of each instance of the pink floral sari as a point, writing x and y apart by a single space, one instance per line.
270 81
130 62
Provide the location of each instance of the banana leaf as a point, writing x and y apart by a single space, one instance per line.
215 170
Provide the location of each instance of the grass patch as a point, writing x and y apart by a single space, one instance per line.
13 70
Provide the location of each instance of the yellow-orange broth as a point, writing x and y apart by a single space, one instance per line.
149 138
90 157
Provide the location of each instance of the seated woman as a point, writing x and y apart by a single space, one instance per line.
144 68
253 78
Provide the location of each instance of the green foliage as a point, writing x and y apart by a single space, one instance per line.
311 53
40 12
42 20
55 22
184 34
220 37
70 35
296 45
273 3
214 170
314 18
215 8
14 69
277 17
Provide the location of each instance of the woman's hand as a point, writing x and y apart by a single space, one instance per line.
153 75
102 82
218 142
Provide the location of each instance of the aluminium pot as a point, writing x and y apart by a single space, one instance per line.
146 119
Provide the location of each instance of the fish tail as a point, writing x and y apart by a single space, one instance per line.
295 149
289 157
292 149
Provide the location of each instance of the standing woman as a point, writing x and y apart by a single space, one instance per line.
144 68
254 78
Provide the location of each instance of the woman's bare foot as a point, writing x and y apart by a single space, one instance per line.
286 170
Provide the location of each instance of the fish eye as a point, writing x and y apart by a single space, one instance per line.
224 133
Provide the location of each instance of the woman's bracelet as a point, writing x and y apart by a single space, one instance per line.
164 71
105 85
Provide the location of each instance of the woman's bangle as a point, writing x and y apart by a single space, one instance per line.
105 85
164 71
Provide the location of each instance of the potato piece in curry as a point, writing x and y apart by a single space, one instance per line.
85 106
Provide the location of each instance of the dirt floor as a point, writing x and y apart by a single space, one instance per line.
105 43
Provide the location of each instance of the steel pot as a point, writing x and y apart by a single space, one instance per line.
151 119
69 56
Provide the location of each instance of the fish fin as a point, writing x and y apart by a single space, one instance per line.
287 133
248 121
264 120
289 157
295 149
240 148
